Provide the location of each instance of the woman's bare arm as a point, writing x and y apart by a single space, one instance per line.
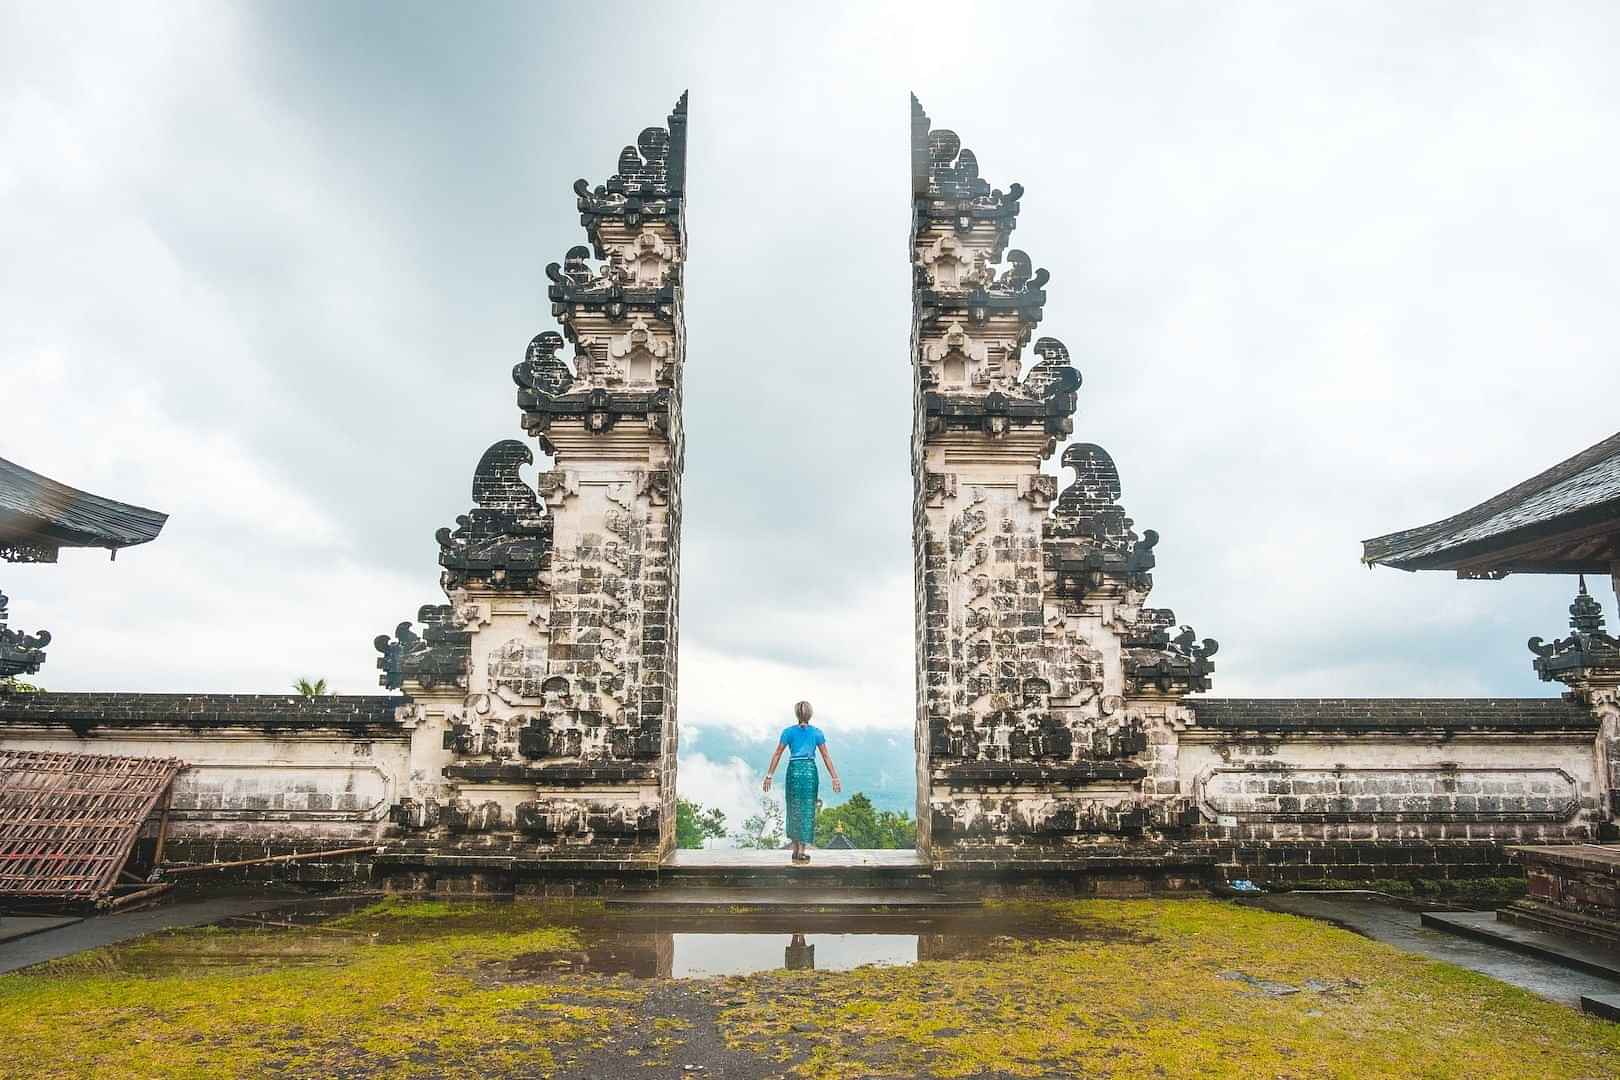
781 746
838 785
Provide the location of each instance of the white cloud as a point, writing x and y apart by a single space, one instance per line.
731 786
856 666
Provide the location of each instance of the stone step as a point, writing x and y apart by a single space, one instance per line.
1605 1005
1534 915
808 900
745 869
1484 926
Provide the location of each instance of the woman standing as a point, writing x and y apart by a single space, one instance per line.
803 778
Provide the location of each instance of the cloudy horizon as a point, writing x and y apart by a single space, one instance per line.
1327 274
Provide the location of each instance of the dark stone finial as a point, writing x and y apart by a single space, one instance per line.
1096 490
437 656
1093 539
542 369
497 484
1585 613
20 653
1054 374
504 540
649 182
1586 652
946 174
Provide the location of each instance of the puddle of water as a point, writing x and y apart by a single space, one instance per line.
610 948
626 944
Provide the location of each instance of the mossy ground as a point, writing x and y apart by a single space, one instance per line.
1140 988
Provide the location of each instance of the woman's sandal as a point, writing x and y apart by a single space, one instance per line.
801 858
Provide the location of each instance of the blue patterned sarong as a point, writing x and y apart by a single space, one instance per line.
803 782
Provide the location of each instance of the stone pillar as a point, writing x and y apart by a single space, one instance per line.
545 690
1046 691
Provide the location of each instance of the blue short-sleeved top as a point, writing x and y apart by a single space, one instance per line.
802 739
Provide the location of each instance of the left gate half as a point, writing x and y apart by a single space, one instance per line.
542 690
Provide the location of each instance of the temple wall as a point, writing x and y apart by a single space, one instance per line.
1395 787
1274 789
264 774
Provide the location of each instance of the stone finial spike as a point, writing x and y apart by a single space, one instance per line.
677 146
1585 613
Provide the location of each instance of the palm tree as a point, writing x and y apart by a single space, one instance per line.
310 689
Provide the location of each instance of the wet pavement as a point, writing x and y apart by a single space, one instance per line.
1404 929
81 935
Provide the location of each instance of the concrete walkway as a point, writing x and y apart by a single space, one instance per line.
1569 951
1385 922
92 933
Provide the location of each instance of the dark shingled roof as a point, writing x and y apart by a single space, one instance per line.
39 513
84 713
1303 716
1565 520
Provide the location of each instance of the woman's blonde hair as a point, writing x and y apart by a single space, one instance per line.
802 711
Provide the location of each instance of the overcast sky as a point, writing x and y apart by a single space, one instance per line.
1328 272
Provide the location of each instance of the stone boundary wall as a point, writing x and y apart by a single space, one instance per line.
266 774
1281 790
1305 789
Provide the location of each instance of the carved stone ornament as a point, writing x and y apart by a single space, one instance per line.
1587 654
439 656
639 353
20 653
503 542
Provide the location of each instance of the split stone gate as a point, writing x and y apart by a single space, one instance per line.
1053 721
1058 725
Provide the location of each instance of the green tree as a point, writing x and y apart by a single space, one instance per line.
310 689
866 825
15 685
764 829
694 825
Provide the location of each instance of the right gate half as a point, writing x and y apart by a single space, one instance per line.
1047 692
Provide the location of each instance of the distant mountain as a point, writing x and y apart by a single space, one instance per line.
881 763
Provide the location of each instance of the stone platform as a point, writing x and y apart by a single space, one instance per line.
1488 927
1574 891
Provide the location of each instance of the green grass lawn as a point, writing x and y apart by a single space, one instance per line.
1141 988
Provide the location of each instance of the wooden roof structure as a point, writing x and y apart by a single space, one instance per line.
68 822
39 517
1565 520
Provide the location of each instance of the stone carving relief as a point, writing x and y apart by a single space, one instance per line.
517 669
563 591
641 355
1037 662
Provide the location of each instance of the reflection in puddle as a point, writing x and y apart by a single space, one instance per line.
688 948
701 956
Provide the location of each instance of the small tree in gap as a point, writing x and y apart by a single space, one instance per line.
694 825
764 829
865 825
